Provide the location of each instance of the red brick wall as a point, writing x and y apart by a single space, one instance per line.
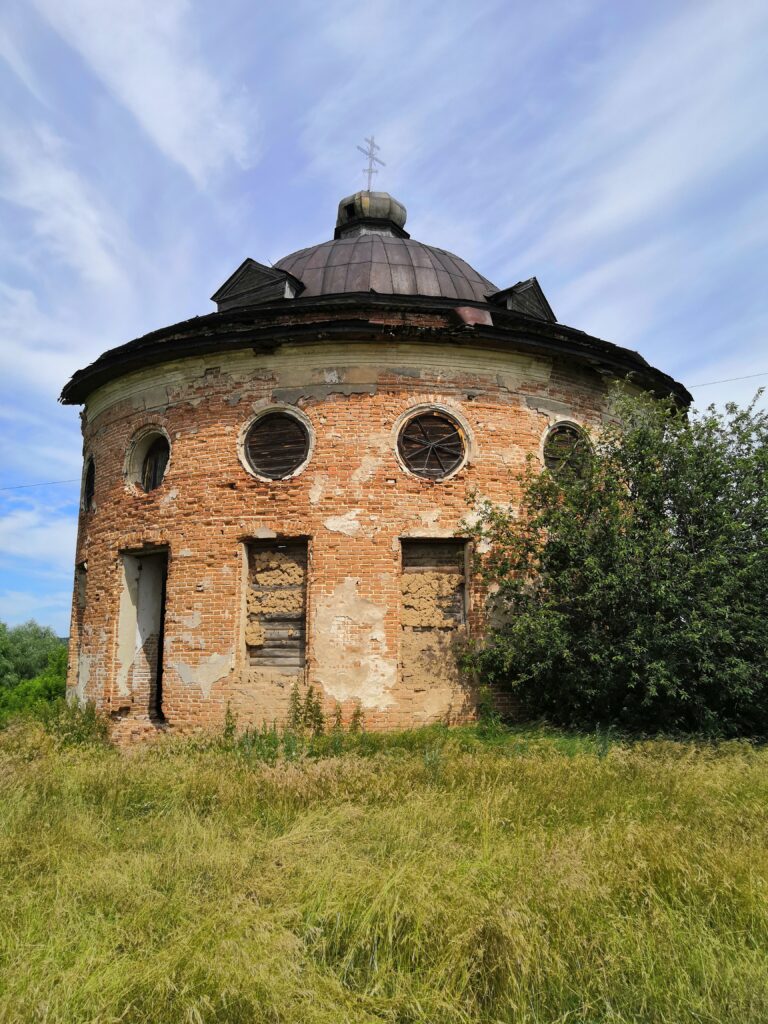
353 501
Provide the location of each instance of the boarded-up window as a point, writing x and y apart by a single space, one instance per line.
276 623
155 463
433 612
434 584
276 445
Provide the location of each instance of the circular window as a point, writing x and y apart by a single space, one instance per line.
148 459
89 486
431 445
276 445
155 461
565 448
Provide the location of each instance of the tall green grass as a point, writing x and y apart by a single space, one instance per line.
434 876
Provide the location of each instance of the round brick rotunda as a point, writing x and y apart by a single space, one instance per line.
273 494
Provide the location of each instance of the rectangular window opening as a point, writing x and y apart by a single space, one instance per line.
276 604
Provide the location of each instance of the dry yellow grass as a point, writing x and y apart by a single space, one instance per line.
435 877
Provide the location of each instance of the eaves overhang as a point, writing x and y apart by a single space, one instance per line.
362 317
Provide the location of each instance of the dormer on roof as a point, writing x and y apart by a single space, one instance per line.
253 283
525 297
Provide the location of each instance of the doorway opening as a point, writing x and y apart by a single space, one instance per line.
142 630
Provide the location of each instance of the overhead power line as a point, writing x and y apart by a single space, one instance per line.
45 483
729 380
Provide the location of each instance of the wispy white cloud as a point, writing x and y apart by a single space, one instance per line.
50 608
14 57
656 127
37 348
150 58
71 225
40 532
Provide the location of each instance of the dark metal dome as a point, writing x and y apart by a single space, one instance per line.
385 264
372 252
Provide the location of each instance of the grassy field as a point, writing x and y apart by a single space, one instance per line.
435 876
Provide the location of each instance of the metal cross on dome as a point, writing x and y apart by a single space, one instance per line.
372 159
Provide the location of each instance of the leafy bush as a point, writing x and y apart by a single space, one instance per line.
632 588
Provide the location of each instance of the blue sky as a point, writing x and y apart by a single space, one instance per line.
619 151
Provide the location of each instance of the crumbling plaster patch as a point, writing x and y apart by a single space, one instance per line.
206 673
318 488
350 647
264 533
346 524
191 621
83 677
291 365
366 469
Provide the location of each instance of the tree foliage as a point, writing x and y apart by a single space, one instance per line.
24 651
632 585
33 668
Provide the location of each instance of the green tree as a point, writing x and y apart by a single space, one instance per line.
31 694
632 585
24 651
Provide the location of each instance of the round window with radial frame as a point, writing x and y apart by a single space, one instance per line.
432 445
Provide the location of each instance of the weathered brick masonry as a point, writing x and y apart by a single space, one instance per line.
220 588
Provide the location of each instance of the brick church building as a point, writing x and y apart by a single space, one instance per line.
273 493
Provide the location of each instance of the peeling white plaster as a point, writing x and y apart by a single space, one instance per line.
351 647
83 677
346 524
366 469
206 673
264 533
317 488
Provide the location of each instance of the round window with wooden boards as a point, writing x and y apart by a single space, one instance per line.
155 463
432 445
565 448
276 445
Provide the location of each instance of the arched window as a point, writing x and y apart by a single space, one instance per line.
565 448
89 485
431 445
276 445
155 462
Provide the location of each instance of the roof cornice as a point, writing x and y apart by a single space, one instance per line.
265 327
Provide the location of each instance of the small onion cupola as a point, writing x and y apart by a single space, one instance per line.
370 212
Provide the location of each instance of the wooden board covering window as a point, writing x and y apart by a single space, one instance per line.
437 600
276 445
276 601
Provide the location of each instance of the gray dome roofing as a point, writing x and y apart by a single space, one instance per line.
372 252
385 264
